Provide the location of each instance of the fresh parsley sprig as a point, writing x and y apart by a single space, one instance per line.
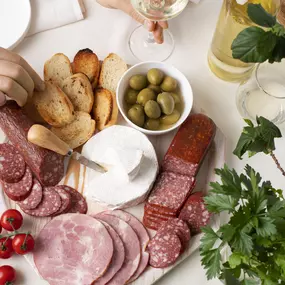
254 235
259 138
256 44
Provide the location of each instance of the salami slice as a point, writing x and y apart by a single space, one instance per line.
171 191
12 164
117 259
34 198
49 205
158 210
46 165
78 202
178 227
73 249
132 248
21 190
151 224
194 213
142 234
190 145
164 250
65 200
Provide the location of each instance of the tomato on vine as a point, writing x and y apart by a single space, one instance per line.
11 220
7 275
23 243
6 248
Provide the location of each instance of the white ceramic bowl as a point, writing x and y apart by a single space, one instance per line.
143 68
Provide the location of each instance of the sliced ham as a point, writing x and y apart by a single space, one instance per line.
117 259
132 248
73 249
143 236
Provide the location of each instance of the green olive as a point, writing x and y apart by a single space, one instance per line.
166 103
136 115
138 82
146 95
155 76
176 98
152 109
152 124
154 88
131 96
169 84
170 119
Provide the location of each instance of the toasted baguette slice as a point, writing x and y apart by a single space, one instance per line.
54 106
115 113
86 61
57 69
103 107
113 67
78 132
79 90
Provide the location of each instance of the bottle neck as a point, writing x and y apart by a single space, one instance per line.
281 14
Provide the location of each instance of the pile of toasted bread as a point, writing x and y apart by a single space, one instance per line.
79 96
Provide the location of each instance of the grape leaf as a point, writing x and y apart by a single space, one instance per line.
244 46
260 16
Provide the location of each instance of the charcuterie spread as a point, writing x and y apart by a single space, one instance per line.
82 235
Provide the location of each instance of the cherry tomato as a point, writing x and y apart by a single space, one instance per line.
23 243
6 248
11 220
7 275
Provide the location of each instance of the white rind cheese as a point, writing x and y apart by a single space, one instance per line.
133 167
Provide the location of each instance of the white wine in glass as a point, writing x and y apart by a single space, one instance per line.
141 42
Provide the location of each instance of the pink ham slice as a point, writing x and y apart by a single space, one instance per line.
118 257
143 236
73 249
132 248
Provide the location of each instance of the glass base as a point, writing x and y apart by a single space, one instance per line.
144 48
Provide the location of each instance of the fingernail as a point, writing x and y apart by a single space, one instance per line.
2 99
148 25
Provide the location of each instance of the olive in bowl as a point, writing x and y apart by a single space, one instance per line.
159 115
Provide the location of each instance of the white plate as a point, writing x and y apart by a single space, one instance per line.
15 18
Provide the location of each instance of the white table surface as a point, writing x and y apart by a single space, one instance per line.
107 31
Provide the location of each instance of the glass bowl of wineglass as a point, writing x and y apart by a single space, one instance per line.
141 42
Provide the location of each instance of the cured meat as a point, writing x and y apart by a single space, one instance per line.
78 202
153 223
35 197
142 234
49 205
65 200
47 165
132 248
178 227
12 164
73 249
21 190
117 259
164 250
190 145
171 191
158 211
195 213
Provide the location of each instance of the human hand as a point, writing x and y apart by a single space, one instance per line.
126 6
17 78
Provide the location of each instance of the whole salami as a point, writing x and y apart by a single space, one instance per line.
47 165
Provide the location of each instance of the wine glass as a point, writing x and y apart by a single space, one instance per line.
141 42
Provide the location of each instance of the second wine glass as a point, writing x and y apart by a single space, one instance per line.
141 42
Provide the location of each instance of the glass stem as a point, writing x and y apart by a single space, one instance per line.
150 38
